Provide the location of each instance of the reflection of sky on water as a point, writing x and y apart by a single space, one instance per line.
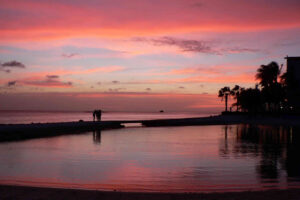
198 158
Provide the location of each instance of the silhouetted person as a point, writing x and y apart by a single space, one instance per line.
97 114
94 115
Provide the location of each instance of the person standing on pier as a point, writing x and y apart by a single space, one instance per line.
94 115
97 115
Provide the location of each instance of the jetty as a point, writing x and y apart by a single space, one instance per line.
14 132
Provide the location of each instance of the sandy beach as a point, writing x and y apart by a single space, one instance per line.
35 193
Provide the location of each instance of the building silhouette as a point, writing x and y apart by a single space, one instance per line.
293 82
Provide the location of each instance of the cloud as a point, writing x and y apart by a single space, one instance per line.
213 72
240 50
177 16
238 78
183 45
197 5
11 64
5 70
148 89
52 76
11 83
70 55
115 82
181 87
106 69
48 81
116 89
122 101
196 46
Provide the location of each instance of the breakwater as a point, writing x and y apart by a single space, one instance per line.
13 132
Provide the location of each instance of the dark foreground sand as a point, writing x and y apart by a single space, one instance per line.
35 193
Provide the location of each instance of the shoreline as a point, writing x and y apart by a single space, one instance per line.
16 132
29 192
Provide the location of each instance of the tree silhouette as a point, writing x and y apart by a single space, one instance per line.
272 91
268 74
285 79
271 96
224 93
250 100
235 92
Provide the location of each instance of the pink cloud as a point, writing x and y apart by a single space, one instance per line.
43 79
218 70
215 74
141 18
52 81
38 75
112 101
238 78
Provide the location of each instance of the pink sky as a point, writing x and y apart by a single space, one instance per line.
138 55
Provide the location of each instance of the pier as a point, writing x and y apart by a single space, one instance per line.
15 132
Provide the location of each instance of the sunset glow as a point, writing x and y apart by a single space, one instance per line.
138 55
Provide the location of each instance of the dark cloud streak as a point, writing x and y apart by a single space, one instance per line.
4 67
13 64
11 83
52 76
184 45
70 55
48 81
196 46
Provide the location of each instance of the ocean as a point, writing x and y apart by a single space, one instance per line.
26 117
158 159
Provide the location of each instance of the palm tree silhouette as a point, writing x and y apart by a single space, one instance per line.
250 100
225 92
236 92
268 74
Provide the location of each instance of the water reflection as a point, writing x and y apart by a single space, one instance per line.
178 159
97 136
276 149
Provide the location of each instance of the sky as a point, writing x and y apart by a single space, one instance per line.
138 55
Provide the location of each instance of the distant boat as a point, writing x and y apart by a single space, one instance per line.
161 111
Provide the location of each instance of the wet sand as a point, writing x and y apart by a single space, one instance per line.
37 193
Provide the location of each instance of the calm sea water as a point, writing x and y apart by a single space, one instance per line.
168 159
21 117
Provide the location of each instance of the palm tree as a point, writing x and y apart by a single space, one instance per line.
268 74
235 92
250 100
224 92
